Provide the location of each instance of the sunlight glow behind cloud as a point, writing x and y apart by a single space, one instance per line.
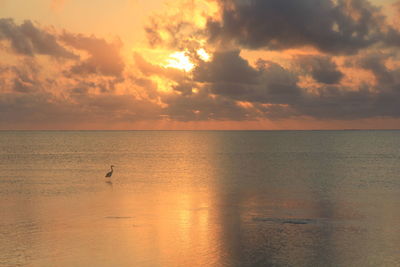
179 60
203 54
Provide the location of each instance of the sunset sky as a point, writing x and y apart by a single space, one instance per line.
199 64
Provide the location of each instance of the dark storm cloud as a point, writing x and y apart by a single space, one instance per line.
321 68
334 27
274 92
345 103
333 102
336 103
375 62
202 107
230 75
342 26
228 88
226 67
393 35
27 39
104 57
277 85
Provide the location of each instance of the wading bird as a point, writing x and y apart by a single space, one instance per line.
110 172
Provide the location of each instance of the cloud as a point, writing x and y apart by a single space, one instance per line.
23 83
122 107
375 62
337 103
104 57
321 68
227 67
80 107
346 31
149 69
274 92
229 75
27 39
21 78
203 107
181 25
34 108
338 27
97 85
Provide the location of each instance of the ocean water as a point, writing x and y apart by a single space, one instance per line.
200 198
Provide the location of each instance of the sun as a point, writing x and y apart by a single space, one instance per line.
203 55
179 60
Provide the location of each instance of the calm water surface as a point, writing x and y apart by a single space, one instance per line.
290 198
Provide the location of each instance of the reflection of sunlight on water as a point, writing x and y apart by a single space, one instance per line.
176 210
175 227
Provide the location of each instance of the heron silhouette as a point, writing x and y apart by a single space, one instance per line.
110 172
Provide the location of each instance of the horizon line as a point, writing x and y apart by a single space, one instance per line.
188 130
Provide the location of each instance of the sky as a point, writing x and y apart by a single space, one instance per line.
199 64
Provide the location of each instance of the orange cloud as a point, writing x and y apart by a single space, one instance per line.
60 79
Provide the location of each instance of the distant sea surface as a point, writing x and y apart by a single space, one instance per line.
200 198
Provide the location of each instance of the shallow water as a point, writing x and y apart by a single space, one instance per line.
207 198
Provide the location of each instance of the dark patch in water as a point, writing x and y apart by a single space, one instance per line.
285 221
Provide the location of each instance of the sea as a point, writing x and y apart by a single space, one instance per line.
200 198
